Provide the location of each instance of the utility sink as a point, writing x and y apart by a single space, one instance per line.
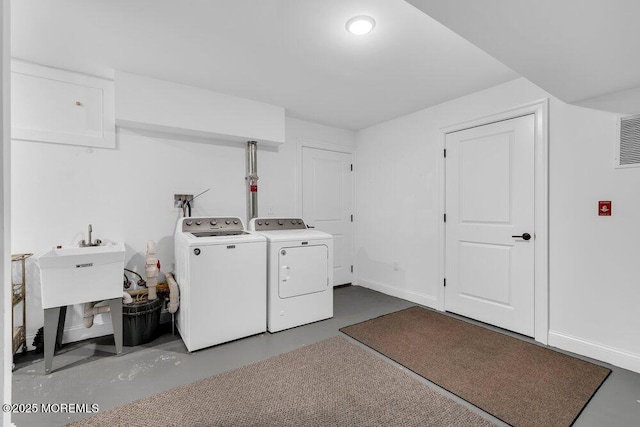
75 274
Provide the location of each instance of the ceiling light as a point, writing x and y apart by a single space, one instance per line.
360 25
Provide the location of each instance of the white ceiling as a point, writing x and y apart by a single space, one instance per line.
292 53
582 51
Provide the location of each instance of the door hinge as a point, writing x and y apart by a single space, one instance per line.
352 268
445 152
445 282
445 217
351 217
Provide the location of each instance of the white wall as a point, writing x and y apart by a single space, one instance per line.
594 275
594 261
127 195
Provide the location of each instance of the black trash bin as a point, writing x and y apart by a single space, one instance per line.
140 321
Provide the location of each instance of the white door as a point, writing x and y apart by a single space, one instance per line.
489 224
327 203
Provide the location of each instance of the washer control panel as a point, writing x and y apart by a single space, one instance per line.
263 224
208 224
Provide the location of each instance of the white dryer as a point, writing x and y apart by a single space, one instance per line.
221 272
299 272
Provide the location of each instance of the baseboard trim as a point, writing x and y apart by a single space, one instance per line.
418 298
614 356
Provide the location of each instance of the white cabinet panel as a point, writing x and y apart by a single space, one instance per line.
52 105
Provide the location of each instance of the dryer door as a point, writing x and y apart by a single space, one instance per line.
302 270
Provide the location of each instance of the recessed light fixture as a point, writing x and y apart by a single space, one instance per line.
360 25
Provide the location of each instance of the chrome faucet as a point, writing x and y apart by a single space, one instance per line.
90 242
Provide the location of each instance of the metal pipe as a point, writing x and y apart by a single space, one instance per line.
252 179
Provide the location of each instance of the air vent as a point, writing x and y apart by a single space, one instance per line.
629 141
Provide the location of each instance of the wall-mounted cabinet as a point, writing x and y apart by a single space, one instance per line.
52 105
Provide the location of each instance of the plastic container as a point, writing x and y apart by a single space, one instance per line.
140 321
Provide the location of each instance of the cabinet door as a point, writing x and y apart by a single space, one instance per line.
51 105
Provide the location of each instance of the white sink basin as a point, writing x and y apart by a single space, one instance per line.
74 275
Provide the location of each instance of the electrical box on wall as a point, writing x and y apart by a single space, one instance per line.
628 142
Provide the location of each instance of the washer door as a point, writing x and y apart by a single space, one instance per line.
302 270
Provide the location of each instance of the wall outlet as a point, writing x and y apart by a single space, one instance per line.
178 199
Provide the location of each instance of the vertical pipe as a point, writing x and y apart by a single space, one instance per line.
252 179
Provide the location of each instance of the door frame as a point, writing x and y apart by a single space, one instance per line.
540 110
345 149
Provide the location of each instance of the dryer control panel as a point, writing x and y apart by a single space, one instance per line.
264 224
207 226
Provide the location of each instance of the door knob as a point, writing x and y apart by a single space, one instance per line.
525 236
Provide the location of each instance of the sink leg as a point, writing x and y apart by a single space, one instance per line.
116 321
60 333
51 319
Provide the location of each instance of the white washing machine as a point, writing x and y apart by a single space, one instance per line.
299 272
221 272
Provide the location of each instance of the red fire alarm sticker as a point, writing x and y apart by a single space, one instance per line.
604 208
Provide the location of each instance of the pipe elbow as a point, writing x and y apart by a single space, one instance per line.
174 294
88 314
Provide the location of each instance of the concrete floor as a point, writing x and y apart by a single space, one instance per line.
89 372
